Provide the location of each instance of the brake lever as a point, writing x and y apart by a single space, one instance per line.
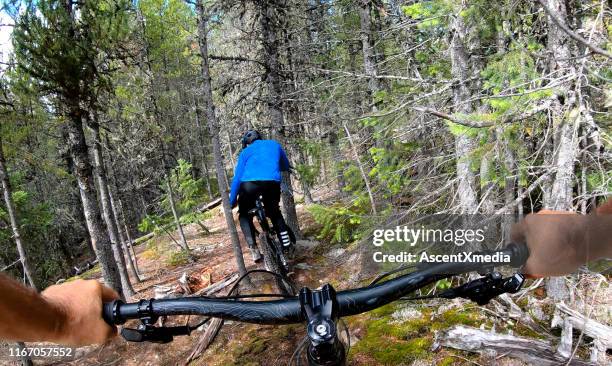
484 289
148 333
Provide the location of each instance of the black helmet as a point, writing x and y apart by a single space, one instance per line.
249 137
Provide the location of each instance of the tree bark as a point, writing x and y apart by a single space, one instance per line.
268 20
107 213
125 242
201 134
464 145
120 221
213 132
84 176
25 360
367 46
177 220
510 181
565 127
366 181
10 208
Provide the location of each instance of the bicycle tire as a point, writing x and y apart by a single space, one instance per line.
272 263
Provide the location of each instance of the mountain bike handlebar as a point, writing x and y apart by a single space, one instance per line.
287 311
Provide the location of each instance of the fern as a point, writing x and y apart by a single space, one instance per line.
339 223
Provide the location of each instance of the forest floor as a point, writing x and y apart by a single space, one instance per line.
397 334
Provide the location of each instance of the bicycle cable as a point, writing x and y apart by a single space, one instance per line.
387 274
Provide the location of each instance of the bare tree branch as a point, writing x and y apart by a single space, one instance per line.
233 58
571 33
544 105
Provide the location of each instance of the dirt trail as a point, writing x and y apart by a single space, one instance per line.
236 343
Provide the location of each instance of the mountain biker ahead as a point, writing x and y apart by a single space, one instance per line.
258 173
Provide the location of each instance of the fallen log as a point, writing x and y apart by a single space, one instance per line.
205 340
209 206
215 287
184 284
529 350
215 324
600 333
590 327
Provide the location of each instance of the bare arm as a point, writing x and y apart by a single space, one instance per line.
560 242
69 314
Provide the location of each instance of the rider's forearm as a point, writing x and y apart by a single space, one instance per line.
599 237
25 315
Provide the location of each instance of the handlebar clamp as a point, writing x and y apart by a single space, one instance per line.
320 308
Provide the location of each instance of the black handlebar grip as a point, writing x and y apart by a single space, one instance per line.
110 312
519 253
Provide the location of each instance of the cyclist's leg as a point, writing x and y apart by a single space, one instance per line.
271 196
247 197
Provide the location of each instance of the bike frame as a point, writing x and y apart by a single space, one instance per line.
260 213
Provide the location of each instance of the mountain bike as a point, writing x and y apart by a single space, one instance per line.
320 309
274 254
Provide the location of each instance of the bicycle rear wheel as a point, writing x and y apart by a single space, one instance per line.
273 263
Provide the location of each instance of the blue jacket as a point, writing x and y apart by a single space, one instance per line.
261 160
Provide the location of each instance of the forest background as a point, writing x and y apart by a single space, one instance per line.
121 118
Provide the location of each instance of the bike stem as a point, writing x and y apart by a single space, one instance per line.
320 308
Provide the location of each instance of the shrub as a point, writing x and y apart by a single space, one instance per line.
177 258
339 223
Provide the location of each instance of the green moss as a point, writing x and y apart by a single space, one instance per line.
177 258
446 361
390 342
245 354
256 343
391 351
454 317
404 330
524 331
96 271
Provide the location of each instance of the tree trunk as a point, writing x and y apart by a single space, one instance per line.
10 208
107 213
119 214
361 170
565 128
230 151
75 198
367 46
25 360
565 125
487 186
464 145
177 220
275 105
510 182
204 153
125 243
84 176
213 132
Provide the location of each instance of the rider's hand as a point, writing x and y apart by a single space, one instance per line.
80 304
557 242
